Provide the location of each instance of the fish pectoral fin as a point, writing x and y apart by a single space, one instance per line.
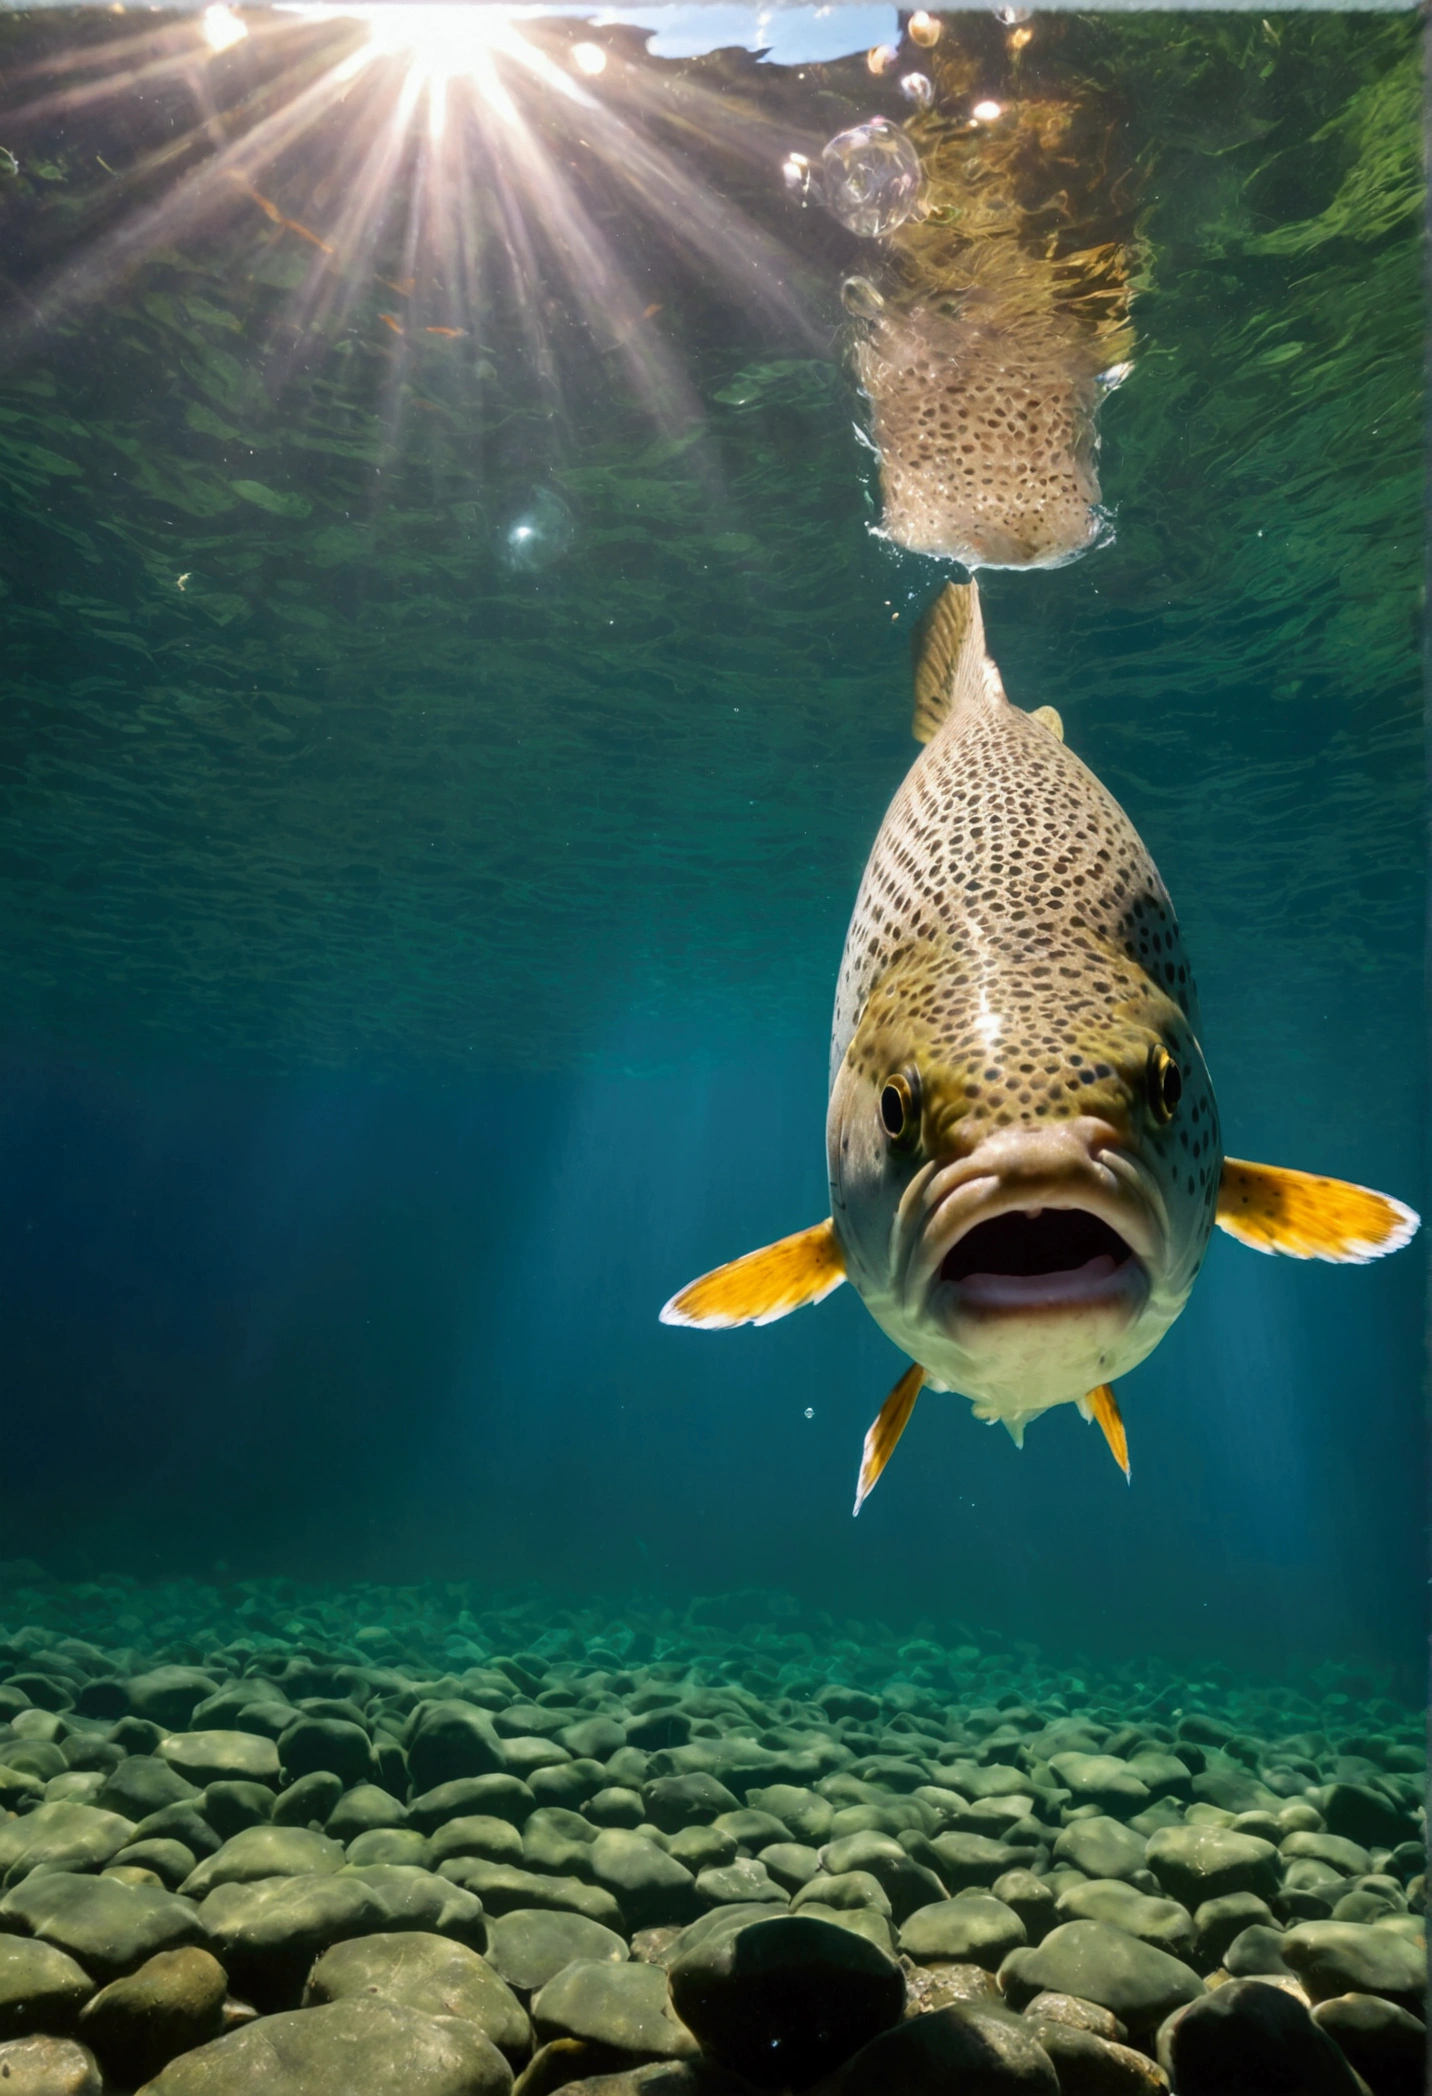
952 668
890 1423
1101 1404
1274 1209
763 1286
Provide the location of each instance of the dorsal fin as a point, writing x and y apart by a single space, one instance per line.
951 666
1048 717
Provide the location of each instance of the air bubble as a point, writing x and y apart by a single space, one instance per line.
860 297
872 178
540 533
881 58
924 29
916 88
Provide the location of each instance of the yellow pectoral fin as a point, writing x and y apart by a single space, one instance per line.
1104 1406
764 1285
890 1423
1305 1217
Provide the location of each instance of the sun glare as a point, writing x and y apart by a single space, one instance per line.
222 28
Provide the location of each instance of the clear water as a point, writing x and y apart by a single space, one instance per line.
452 683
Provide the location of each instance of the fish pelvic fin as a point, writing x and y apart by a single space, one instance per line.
1101 1404
764 1285
890 1423
1274 1209
952 669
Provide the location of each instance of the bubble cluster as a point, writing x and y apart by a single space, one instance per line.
872 178
985 446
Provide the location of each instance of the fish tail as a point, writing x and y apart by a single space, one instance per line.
952 669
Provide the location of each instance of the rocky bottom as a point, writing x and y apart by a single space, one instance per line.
402 1843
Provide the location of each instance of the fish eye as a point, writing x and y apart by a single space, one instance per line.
1165 1083
900 1105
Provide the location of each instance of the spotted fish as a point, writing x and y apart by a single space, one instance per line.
1022 1137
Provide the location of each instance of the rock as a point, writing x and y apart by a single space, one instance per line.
173 2002
621 2006
1218 1921
501 1888
230 1806
221 1757
107 1927
553 1840
595 1739
1162 1922
397 1845
1347 1957
650 1887
738 1883
702 1848
803 1812
573 1784
1385 2044
180 1823
787 2000
334 1745
141 1784
673 1802
530 1946
368 2046
167 1696
791 1864
411 1898
264 1852
1199 1863
488 1797
362 1811
1101 1779
1250 2039
970 2047
1091 2066
477 1834
931 1987
41 1989
48 2067
61 1837
976 1929
1256 1952
1079 2015
751 1830
612 1806
853 1888
427 1972
1162 1774
1101 1964
1101 1848
1232 1789
1031 1899
906 1884
970 1860
861 1921
452 1740
527 1755
312 1800
1366 1816
267 1934
1348 1858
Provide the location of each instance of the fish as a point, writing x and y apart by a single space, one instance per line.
1022 1137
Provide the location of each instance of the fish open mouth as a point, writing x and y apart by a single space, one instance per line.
1041 1259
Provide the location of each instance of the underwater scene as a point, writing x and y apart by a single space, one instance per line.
711 836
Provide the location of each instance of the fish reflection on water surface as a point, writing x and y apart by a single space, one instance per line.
1022 1137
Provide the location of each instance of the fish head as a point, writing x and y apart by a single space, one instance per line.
1024 1205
